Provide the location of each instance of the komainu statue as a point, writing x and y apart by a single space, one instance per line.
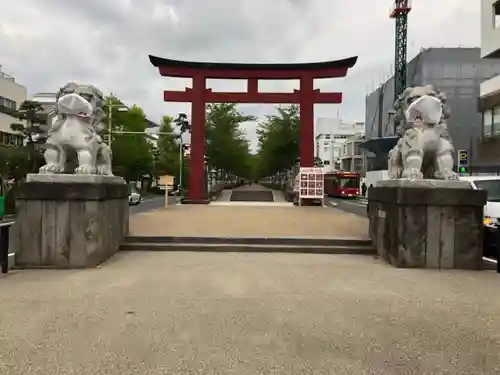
73 143
424 149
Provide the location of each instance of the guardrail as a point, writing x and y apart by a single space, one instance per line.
4 245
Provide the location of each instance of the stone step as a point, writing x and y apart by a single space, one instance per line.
297 241
249 248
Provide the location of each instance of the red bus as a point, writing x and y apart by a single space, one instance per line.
342 184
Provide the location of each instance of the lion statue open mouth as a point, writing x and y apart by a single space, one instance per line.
73 144
424 149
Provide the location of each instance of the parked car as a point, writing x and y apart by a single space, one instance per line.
492 186
134 195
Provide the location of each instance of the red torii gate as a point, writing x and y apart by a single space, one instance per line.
199 95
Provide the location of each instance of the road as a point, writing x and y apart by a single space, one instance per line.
353 206
151 204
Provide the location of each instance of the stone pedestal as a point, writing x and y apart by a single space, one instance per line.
69 221
427 223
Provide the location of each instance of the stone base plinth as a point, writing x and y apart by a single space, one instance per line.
427 223
69 221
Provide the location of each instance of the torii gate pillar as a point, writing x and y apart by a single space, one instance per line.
306 122
196 193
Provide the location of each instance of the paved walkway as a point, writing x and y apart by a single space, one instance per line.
249 219
247 314
278 196
226 219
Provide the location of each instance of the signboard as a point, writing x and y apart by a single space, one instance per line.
166 180
463 161
311 183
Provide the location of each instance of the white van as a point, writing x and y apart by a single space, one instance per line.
492 185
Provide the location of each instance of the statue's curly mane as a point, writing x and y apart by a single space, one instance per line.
403 101
92 94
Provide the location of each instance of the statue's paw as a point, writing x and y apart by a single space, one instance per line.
412 174
103 170
44 169
85 169
449 175
51 168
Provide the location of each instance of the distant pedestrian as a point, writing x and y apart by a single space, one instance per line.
363 189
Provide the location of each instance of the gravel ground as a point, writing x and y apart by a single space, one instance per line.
197 313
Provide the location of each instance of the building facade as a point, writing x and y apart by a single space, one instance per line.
352 157
12 94
489 94
330 138
458 72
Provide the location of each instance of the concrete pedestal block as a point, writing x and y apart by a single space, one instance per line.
427 223
69 221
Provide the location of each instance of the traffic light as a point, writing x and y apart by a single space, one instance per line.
463 161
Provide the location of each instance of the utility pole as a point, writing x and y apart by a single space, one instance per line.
121 108
184 126
110 123
181 160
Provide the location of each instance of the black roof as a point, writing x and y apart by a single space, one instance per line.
344 63
380 145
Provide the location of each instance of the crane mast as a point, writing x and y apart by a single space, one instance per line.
399 12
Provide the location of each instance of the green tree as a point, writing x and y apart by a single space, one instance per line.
30 113
227 147
31 125
132 153
15 162
167 158
278 139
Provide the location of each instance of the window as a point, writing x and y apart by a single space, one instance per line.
487 122
496 15
326 162
446 82
468 92
468 70
358 165
326 143
7 103
436 70
8 139
358 148
496 121
450 70
327 136
325 149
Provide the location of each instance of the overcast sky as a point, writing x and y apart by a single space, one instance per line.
46 43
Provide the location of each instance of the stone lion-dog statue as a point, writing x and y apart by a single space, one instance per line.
425 149
73 144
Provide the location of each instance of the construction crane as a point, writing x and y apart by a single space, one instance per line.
400 12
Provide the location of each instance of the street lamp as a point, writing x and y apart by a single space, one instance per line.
120 108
